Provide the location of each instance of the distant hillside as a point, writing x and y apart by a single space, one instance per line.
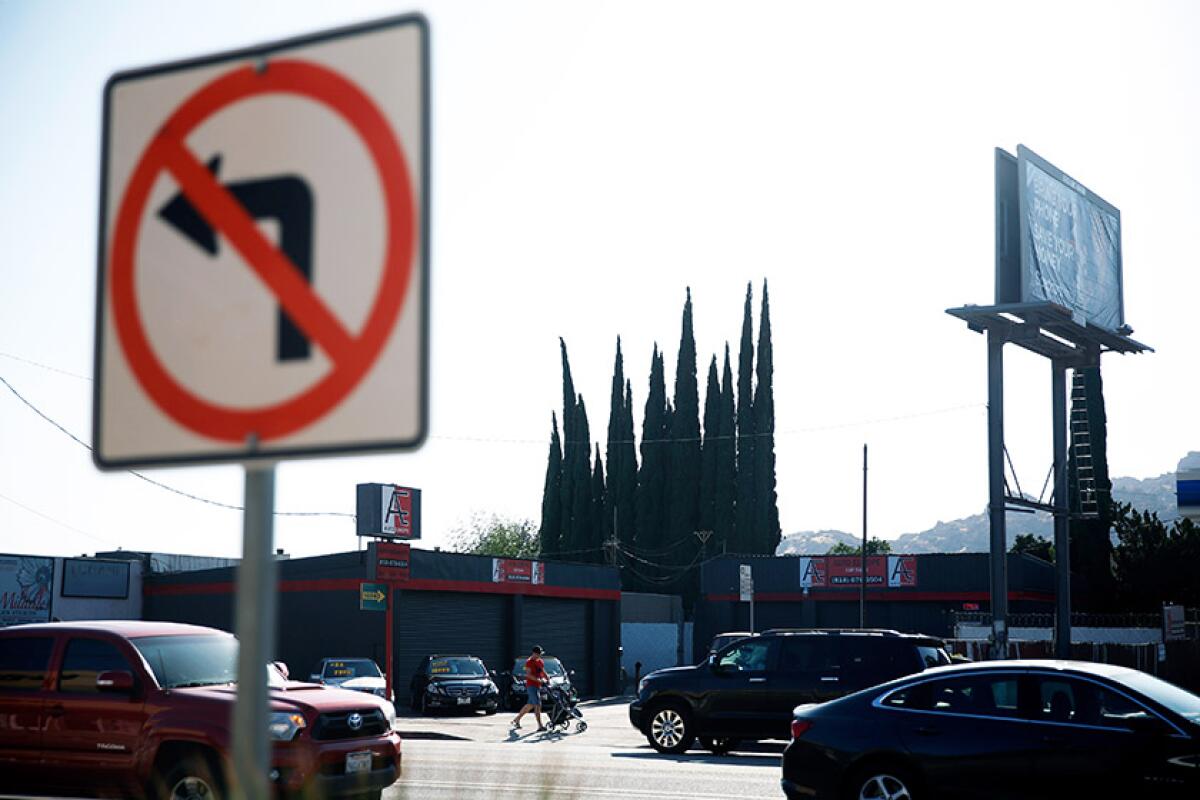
970 534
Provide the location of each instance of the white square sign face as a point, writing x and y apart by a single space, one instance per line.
263 257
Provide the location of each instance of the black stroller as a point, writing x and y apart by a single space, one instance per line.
562 711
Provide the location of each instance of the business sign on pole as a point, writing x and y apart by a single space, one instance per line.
388 511
372 596
26 588
821 572
1174 623
392 561
516 570
745 583
263 252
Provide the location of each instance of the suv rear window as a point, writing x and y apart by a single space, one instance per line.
23 662
932 656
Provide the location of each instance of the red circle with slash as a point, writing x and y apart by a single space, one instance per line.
352 355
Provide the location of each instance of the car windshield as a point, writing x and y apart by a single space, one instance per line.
200 660
553 667
350 668
457 667
1180 701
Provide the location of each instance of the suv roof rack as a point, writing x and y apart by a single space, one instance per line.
879 631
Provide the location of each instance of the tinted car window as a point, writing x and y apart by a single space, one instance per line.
980 695
23 662
750 656
552 665
809 654
1086 703
910 697
932 656
83 662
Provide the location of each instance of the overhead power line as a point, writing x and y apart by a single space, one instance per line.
160 484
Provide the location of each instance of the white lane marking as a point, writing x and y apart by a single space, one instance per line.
578 791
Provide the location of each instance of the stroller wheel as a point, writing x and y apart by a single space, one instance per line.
580 726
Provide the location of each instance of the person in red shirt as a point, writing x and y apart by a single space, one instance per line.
535 678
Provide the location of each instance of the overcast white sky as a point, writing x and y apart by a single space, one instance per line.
590 161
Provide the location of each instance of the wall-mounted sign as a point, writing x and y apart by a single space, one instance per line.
821 572
389 511
391 561
90 577
514 570
372 596
1174 624
26 586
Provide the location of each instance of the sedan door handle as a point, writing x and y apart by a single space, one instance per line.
758 680
829 678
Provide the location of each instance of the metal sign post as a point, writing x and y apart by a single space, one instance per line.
862 587
255 628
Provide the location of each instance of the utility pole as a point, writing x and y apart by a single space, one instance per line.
862 587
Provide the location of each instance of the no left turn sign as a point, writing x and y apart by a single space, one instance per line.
263 258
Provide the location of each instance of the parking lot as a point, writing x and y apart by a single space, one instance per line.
470 756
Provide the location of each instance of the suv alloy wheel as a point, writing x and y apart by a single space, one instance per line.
670 729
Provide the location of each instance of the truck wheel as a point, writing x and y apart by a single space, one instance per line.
192 778
670 729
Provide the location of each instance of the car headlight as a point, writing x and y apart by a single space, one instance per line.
389 711
380 691
284 725
642 685
433 688
490 688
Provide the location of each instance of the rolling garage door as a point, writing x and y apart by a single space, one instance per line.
562 628
429 623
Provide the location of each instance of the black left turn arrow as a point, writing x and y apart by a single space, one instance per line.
286 198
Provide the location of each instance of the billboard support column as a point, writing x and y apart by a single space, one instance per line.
387 646
1062 537
996 501
255 627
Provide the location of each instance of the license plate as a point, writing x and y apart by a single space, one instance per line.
358 762
464 701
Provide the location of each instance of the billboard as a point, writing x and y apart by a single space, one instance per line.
1056 241
89 577
388 511
26 587
518 570
832 572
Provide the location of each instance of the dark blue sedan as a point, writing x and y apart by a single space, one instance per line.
1000 729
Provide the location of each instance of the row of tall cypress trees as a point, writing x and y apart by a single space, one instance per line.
697 489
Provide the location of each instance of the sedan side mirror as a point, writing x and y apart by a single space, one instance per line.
115 681
281 668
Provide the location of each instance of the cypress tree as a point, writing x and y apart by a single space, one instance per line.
766 510
1091 547
684 476
622 459
743 537
708 450
726 463
652 475
569 539
601 518
550 532
583 532
626 478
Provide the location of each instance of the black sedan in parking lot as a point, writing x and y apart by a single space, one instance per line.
458 683
1002 729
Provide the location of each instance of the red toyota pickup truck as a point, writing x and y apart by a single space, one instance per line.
145 708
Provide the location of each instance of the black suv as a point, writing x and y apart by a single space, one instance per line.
748 689
458 683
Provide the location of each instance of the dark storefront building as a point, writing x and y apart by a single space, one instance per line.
915 593
496 609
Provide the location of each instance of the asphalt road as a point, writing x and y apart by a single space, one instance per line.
478 756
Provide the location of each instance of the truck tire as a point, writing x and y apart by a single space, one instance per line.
192 777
